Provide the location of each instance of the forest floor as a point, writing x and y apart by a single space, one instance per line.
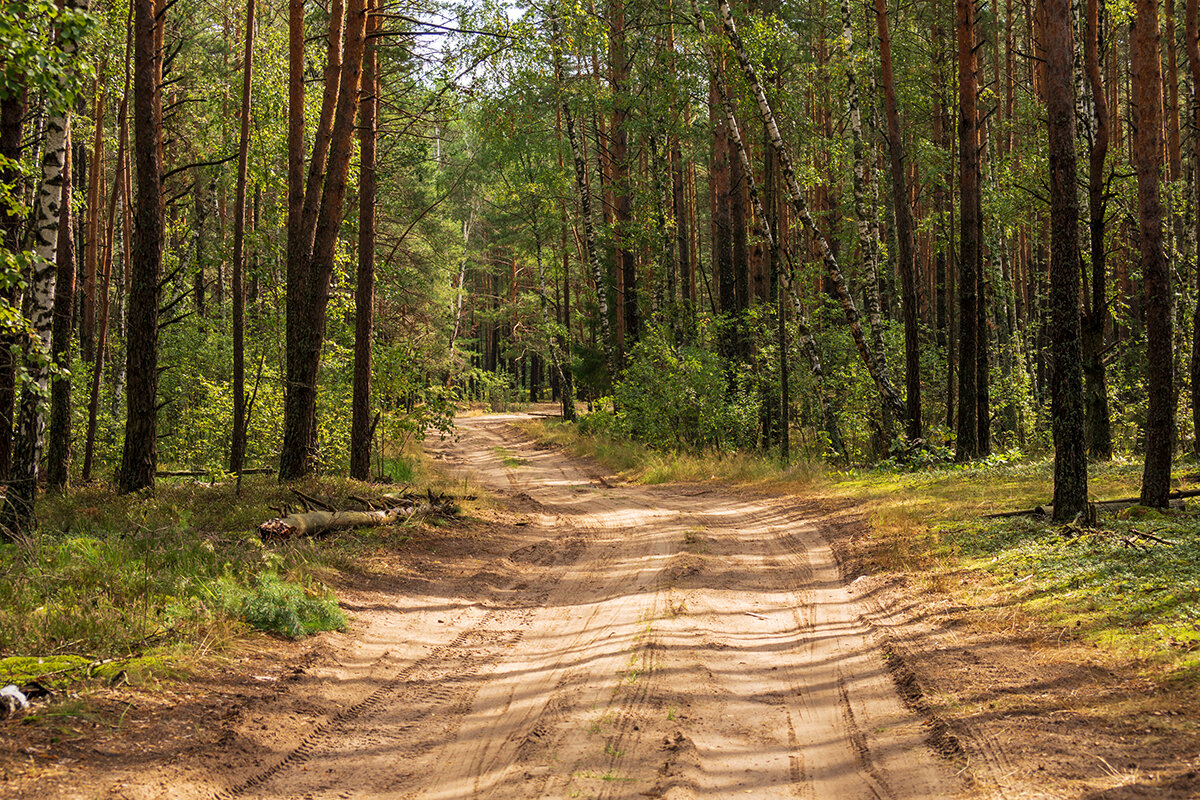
583 637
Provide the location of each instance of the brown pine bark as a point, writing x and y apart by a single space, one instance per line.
1095 316
322 139
12 118
1066 376
237 445
904 229
967 443
297 260
91 253
719 211
622 187
1192 40
299 457
364 286
1147 159
140 454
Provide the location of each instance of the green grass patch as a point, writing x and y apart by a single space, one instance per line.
140 582
637 462
508 458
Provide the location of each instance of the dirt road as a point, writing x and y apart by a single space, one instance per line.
639 642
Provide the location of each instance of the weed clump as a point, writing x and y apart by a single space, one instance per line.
277 606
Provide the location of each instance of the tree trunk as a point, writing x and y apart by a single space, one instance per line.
1147 159
1098 428
58 437
364 286
875 369
719 211
1066 378
237 445
140 455
1192 39
298 457
12 118
967 444
621 185
904 230
91 256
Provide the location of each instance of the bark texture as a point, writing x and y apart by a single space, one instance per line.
1066 376
237 445
140 455
1147 159
364 286
967 442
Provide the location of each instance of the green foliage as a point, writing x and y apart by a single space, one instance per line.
1112 582
680 396
279 606
112 576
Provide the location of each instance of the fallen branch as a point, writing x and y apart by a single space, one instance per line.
204 473
1175 501
384 510
319 523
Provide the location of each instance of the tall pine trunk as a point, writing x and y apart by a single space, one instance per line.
237 445
1192 38
1066 375
299 455
364 286
904 229
967 444
12 119
1098 428
1147 161
140 455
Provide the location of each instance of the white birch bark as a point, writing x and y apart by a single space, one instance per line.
29 432
875 367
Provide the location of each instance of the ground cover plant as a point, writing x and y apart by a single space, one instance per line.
111 583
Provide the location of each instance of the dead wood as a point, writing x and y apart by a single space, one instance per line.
319 523
1175 501
383 510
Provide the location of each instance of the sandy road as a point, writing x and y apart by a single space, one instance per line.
643 642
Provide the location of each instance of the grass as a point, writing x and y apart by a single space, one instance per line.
637 462
508 458
137 585
1112 585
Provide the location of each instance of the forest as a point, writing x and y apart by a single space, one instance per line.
855 234
277 251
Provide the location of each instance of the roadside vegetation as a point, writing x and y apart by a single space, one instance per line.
141 586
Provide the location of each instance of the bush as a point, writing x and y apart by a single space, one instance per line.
683 396
277 606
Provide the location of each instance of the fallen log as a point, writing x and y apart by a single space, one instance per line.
1175 500
204 473
319 523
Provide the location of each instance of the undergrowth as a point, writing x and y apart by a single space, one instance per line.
121 579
